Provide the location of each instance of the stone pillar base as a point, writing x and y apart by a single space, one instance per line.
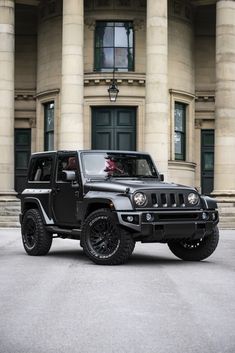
226 209
8 195
9 211
223 196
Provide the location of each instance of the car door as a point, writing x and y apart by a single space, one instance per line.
66 193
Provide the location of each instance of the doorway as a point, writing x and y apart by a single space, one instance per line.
114 128
22 155
207 161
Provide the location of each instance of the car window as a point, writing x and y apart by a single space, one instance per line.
102 164
40 169
65 162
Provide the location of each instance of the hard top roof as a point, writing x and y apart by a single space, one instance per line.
88 151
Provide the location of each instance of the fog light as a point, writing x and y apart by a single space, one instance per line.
204 216
130 218
149 217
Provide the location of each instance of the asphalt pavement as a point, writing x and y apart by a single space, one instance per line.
156 303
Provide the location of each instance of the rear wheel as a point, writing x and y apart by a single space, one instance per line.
195 250
36 240
103 241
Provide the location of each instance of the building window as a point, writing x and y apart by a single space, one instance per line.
114 46
49 126
180 127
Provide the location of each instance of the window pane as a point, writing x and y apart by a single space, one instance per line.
130 60
107 58
130 37
121 37
208 140
49 126
180 123
22 138
208 161
179 120
108 37
178 143
120 24
49 143
50 120
121 57
49 117
41 169
21 161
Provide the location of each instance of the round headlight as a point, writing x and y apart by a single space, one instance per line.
193 198
140 199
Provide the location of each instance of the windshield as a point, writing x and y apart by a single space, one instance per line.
102 164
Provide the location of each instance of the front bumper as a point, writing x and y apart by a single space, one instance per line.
152 226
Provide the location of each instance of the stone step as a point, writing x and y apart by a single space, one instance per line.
226 208
9 210
9 224
3 206
9 213
10 201
227 214
11 218
227 225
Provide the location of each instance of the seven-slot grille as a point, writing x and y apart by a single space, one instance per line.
168 199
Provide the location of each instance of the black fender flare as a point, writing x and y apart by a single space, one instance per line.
115 202
209 203
34 201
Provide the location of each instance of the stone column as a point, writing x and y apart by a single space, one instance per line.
156 123
7 39
224 182
71 121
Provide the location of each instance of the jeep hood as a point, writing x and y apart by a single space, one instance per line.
131 185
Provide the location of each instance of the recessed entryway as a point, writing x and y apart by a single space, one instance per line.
114 128
207 161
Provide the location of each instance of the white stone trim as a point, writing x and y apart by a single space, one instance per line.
189 100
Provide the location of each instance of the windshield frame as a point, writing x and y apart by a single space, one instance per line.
122 154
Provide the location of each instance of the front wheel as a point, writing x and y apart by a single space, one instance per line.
36 240
103 241
195 250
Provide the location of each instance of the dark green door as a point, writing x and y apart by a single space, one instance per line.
22 155
207 161
114 128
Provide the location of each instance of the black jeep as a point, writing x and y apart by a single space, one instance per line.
109 200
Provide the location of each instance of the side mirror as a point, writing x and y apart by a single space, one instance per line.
68 175
162 177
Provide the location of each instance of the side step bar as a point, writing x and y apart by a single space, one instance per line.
65 233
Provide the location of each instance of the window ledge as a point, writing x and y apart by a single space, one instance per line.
101 78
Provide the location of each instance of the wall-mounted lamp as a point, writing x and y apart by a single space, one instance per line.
113 89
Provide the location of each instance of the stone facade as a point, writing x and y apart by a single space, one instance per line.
183 53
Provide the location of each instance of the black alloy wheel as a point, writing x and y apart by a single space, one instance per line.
104 242
29 233
36 240
197 249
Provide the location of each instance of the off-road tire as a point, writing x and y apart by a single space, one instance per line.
104 241
36 240
195 250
